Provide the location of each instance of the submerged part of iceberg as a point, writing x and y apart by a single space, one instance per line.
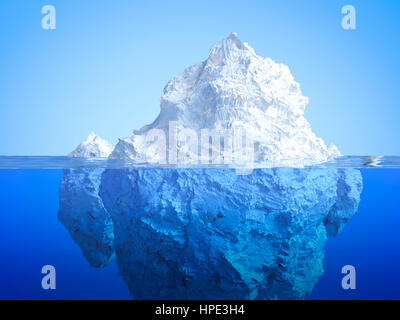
82 213
81 208
235 90
211 234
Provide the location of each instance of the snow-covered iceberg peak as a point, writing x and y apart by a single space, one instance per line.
236 90
229 49
93 147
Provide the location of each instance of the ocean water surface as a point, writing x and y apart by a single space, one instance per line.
159 233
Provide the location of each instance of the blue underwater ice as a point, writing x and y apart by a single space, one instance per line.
209 233
155 233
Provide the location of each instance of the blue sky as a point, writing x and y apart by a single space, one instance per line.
104 67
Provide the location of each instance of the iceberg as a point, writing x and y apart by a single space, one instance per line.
235 90
209 232
93 147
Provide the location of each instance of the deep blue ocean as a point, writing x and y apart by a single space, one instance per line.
32 236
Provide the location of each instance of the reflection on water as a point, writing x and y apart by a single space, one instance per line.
206 233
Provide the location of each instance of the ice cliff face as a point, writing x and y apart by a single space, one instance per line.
81 209
234 89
